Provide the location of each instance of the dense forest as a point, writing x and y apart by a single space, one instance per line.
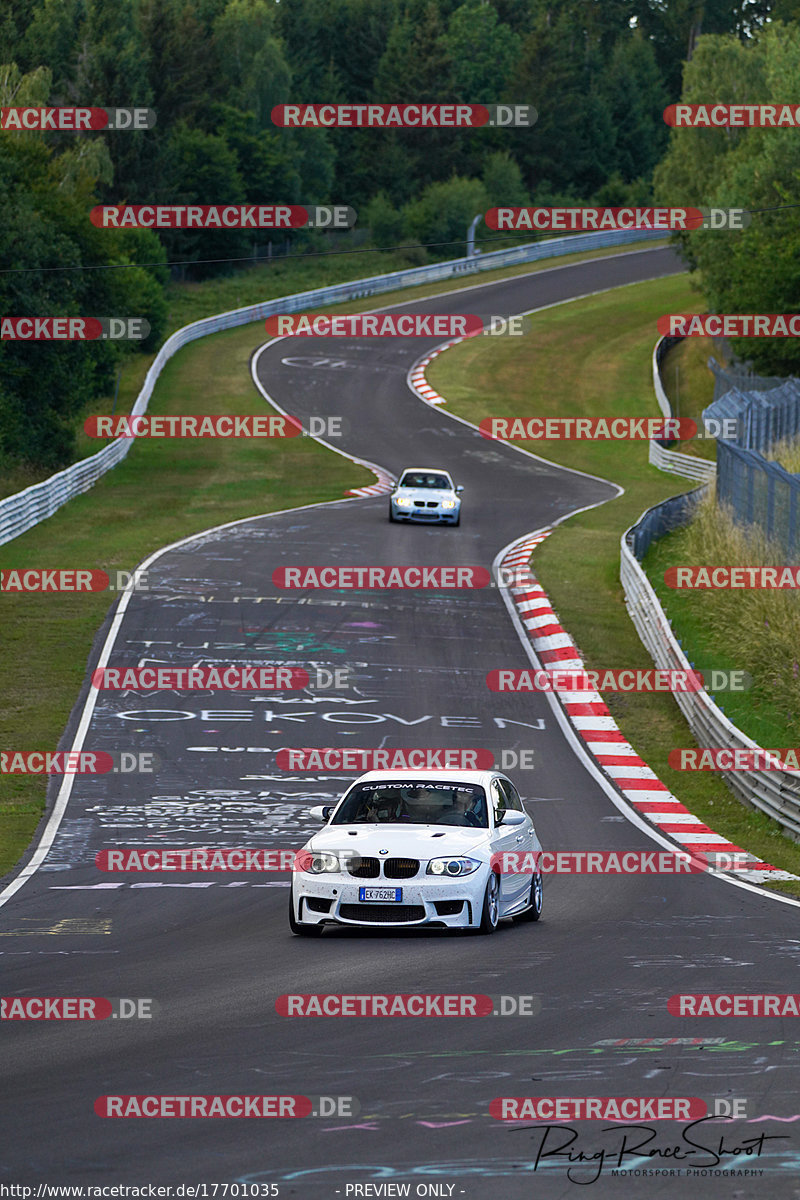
599 72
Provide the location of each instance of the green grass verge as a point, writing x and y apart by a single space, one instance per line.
592 358
758 712
164 491
689 384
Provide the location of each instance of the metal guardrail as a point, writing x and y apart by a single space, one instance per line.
776 793
672 513
685 465
25 509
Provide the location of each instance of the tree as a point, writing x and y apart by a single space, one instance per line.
204 170
571 146
731 73
636 101
112 72
502 181
267 160
255 74
53 36
49 249
384 221
416 66
483 52
674 28
757 269
440 217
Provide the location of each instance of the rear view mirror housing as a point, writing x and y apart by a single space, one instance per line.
510 817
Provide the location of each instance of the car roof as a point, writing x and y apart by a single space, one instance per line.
480 777
436 470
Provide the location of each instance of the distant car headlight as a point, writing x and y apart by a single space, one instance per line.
402 502
452 866
317 863
448 504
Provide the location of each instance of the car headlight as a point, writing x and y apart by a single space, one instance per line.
452 866
402 502
317 862
448 504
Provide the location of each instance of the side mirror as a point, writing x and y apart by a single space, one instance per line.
460 487
321 812
510 817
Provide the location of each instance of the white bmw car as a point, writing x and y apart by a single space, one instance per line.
426 494
429 848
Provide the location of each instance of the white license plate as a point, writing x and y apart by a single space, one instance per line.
383 895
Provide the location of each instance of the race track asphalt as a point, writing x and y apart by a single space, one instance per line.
215 952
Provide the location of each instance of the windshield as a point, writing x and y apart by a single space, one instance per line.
411 803
424 479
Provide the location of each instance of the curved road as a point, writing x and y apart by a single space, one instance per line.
215 951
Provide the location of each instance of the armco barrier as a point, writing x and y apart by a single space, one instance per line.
27 508
776 793
685 465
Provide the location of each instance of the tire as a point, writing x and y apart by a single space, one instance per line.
298 928
457 520
490 913
391 515
535 911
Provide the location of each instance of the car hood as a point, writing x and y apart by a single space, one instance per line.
414 841
410 493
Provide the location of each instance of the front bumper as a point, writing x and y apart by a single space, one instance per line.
425 514
334 899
